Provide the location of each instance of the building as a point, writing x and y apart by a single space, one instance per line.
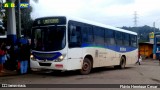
146 49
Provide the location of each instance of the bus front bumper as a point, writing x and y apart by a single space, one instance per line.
47 65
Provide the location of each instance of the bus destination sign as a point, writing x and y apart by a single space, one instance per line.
50 21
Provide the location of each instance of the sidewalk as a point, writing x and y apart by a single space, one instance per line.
8 73
150 62
150 59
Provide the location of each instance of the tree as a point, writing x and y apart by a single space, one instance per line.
26 21
143 32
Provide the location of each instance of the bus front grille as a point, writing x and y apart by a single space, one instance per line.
45 64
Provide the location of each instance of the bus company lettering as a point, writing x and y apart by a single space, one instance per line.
122 49
24 5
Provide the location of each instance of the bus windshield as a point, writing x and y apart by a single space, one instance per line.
48 38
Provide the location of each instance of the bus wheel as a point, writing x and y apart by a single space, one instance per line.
122 63
86 67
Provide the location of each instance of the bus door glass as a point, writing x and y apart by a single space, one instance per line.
74 41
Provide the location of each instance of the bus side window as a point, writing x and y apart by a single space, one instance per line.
87 34
110 37
78 34
84 34
126 39
72 34
99 36
118 37
133 40
75 36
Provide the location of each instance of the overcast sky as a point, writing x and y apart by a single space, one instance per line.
117 13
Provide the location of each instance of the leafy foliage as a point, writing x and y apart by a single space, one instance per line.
26 21
143 32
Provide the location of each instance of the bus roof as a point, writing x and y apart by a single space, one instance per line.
93 23
100 24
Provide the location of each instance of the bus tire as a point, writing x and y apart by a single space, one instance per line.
122 63
86 67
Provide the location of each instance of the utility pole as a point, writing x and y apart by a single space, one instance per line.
11 35
19 20
11 23
154 26
155 40
135 24
135 19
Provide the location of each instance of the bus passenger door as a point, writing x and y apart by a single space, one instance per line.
74 58
74 50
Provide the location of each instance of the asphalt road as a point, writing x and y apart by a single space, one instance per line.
147 73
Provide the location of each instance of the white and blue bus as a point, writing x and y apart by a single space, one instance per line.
65 43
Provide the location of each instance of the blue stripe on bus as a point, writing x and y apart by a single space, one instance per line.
121 49
55 55
45 56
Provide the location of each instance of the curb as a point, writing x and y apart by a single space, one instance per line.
8 73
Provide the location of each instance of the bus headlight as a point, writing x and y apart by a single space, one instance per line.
60 58
32 57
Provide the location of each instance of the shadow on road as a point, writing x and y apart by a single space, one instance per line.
75 73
